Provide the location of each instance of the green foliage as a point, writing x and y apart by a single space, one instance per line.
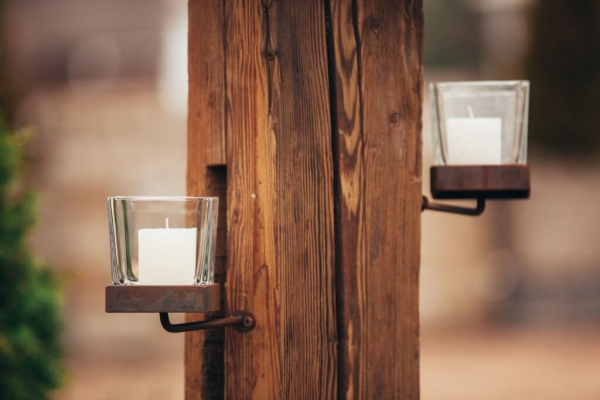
30 322
564 68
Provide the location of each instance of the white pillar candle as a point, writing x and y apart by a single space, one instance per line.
166 256
474 141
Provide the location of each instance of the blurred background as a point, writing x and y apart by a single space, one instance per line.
510 301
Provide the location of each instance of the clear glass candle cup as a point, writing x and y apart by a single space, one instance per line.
162 240
480 123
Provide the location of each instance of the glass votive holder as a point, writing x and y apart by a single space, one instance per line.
480 123
162 240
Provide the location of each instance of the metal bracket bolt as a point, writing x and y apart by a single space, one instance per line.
478 210
241 320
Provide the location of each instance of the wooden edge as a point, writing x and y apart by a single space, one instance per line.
481 181
156 299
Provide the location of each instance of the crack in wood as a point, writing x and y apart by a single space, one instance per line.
269 53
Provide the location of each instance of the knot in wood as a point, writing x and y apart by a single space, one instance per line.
373 24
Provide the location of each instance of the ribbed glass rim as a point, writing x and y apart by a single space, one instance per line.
161 198
480 83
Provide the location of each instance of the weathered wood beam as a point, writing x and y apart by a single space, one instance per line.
318 107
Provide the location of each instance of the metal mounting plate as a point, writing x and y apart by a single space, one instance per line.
508 181
163 299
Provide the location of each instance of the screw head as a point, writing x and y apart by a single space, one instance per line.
247 323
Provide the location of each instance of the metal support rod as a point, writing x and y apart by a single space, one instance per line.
427 205
242 321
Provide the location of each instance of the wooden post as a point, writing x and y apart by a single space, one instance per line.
305 118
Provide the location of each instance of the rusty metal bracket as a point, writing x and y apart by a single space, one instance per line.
499 182
478 210
180 299
241 320
158 298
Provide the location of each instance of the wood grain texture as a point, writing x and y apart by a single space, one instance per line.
375 52
280 199
321 106
206 66
204 374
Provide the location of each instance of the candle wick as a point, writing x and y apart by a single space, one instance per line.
167 223
471 114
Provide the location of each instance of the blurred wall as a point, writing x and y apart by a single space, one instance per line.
98 83
103 86
522 262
